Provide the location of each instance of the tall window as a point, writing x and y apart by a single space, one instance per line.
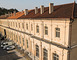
55 56
16 38
46 30
23 40
31 27
45 54
23 25
13 23
27 26
27 43
37 50
19 25
57 32
16 24
37 29
19 39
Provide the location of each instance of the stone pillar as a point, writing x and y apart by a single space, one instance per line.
42 29
33 50
40 55
49 52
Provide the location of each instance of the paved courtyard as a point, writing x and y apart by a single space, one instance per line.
10 55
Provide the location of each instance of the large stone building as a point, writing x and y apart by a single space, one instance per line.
47 33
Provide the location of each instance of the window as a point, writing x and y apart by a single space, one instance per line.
27 26
27 43
45 54
23 25
46 30
37 50
37 29
19 25
57 32
13 23
8 24
31 27
23 40
19 39
14 37
55 56
16 24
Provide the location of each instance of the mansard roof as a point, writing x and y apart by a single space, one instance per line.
60 11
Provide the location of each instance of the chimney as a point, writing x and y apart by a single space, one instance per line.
14 13
26 11
51 8
41 9
36 10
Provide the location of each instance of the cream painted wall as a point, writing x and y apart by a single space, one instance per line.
74 33
63 24
73 54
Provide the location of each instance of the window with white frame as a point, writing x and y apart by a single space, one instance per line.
17 38
37 50
23 25
57 32
37 28
14 37
27 26
23 40
46 30
19 25
16 24
13 23
31 27
20 39
55 56
27 43
45 54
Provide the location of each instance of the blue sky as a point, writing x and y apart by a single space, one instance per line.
30 4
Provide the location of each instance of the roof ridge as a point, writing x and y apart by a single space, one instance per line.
63 4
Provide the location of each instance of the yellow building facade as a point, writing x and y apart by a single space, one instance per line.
43 38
